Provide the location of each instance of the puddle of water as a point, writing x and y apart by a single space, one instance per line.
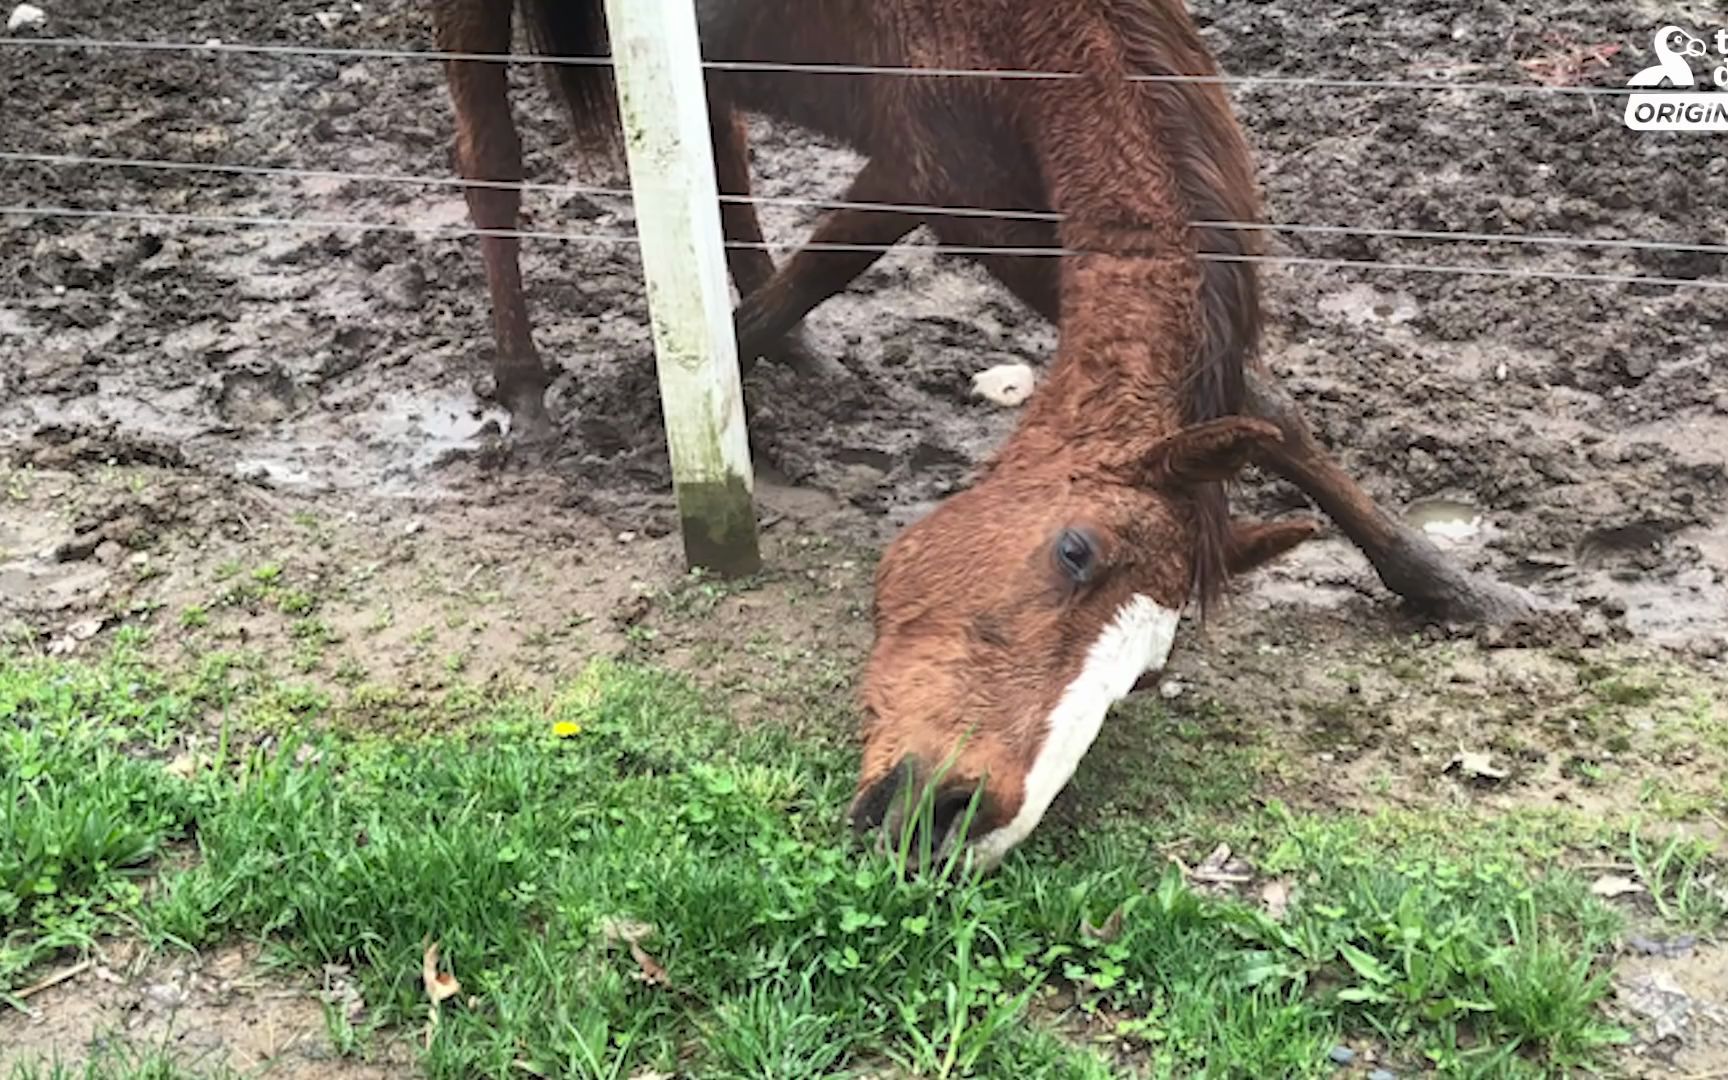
436 424
279 473
1446 519
403 438
880 460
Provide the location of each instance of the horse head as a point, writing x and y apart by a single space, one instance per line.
1011 617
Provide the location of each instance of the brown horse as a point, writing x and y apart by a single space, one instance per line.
1009 619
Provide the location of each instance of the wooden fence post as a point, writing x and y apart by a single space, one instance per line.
663 99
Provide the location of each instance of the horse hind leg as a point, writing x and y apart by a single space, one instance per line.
747 257
489 149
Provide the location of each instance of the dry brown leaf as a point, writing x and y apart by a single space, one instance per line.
1275 898
651 972
1219 868
439 985
188 763
1110 931
1608 886
1215 862
1475 764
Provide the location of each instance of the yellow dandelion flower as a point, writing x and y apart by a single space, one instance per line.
566 729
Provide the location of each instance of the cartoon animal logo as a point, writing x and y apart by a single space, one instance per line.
1672 46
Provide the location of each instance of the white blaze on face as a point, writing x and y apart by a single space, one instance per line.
1137 640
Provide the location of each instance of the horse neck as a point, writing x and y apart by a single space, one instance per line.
1130 326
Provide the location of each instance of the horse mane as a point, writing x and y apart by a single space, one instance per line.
1215 172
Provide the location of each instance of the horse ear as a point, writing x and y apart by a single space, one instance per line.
1204 453
1254 543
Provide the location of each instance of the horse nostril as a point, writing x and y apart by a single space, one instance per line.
877 805
925 821
946 812
934 829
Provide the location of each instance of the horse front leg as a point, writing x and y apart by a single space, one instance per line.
489 149
816 272
747 257
1408 563
747 253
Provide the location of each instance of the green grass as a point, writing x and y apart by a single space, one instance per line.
521 841
117 1062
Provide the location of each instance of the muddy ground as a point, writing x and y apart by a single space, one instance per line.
1584 421
183 404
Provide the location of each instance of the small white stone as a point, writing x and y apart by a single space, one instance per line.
414 528
626 536
1171 689
1007 385
213 43
25 15
328 19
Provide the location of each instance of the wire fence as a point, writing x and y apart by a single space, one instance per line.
218 48
446 232
916 209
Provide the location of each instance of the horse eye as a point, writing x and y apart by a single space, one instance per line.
1075 554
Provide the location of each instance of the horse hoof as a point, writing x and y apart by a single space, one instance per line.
1445 592
1467 600
796 352
532 435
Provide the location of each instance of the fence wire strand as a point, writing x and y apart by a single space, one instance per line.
216 47
446 232
918 209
